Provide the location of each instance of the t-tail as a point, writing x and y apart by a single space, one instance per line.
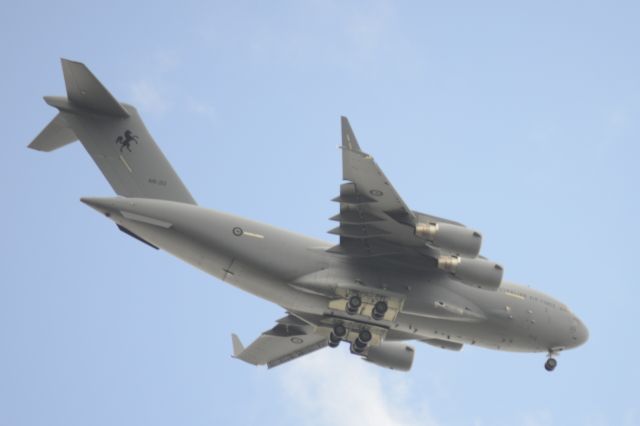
114 135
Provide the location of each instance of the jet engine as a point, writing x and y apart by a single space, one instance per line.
454 238
476 272
393 355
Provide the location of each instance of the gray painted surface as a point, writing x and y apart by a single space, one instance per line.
387 252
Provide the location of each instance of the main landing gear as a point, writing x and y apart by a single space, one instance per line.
379 309
353 304
339 333
360 344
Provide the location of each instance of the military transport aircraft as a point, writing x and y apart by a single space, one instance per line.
397 275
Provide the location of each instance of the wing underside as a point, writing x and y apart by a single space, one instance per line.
291 338
374 220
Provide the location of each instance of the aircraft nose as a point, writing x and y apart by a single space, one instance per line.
581 333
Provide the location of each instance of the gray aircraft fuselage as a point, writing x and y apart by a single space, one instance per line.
396 275
267 261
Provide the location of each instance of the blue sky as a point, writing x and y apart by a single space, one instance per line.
519 119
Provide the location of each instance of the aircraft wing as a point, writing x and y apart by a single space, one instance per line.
374 220
291 338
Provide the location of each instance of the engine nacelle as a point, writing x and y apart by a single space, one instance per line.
475 272
454 238
393 355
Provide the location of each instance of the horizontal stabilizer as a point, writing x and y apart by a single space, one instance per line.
54 136
85 91
238 347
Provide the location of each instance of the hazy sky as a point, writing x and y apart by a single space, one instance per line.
520 119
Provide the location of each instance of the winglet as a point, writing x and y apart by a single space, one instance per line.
238 347
85 90
349 140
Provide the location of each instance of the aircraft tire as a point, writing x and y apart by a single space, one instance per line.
357 348
365 336
353 304
379 309
551 364
340 331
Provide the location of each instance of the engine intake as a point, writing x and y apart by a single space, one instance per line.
475 272
454 238
393 355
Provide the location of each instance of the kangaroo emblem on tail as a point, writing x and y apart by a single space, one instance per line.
125 140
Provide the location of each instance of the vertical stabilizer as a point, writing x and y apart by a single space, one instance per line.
115 137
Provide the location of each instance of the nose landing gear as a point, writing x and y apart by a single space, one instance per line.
551 363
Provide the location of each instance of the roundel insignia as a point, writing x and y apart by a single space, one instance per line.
237 231
376 193
296 340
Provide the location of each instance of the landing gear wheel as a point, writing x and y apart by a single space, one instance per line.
365 336
336 335
551 364
379 309
360 344
340 331
358 347
353 304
